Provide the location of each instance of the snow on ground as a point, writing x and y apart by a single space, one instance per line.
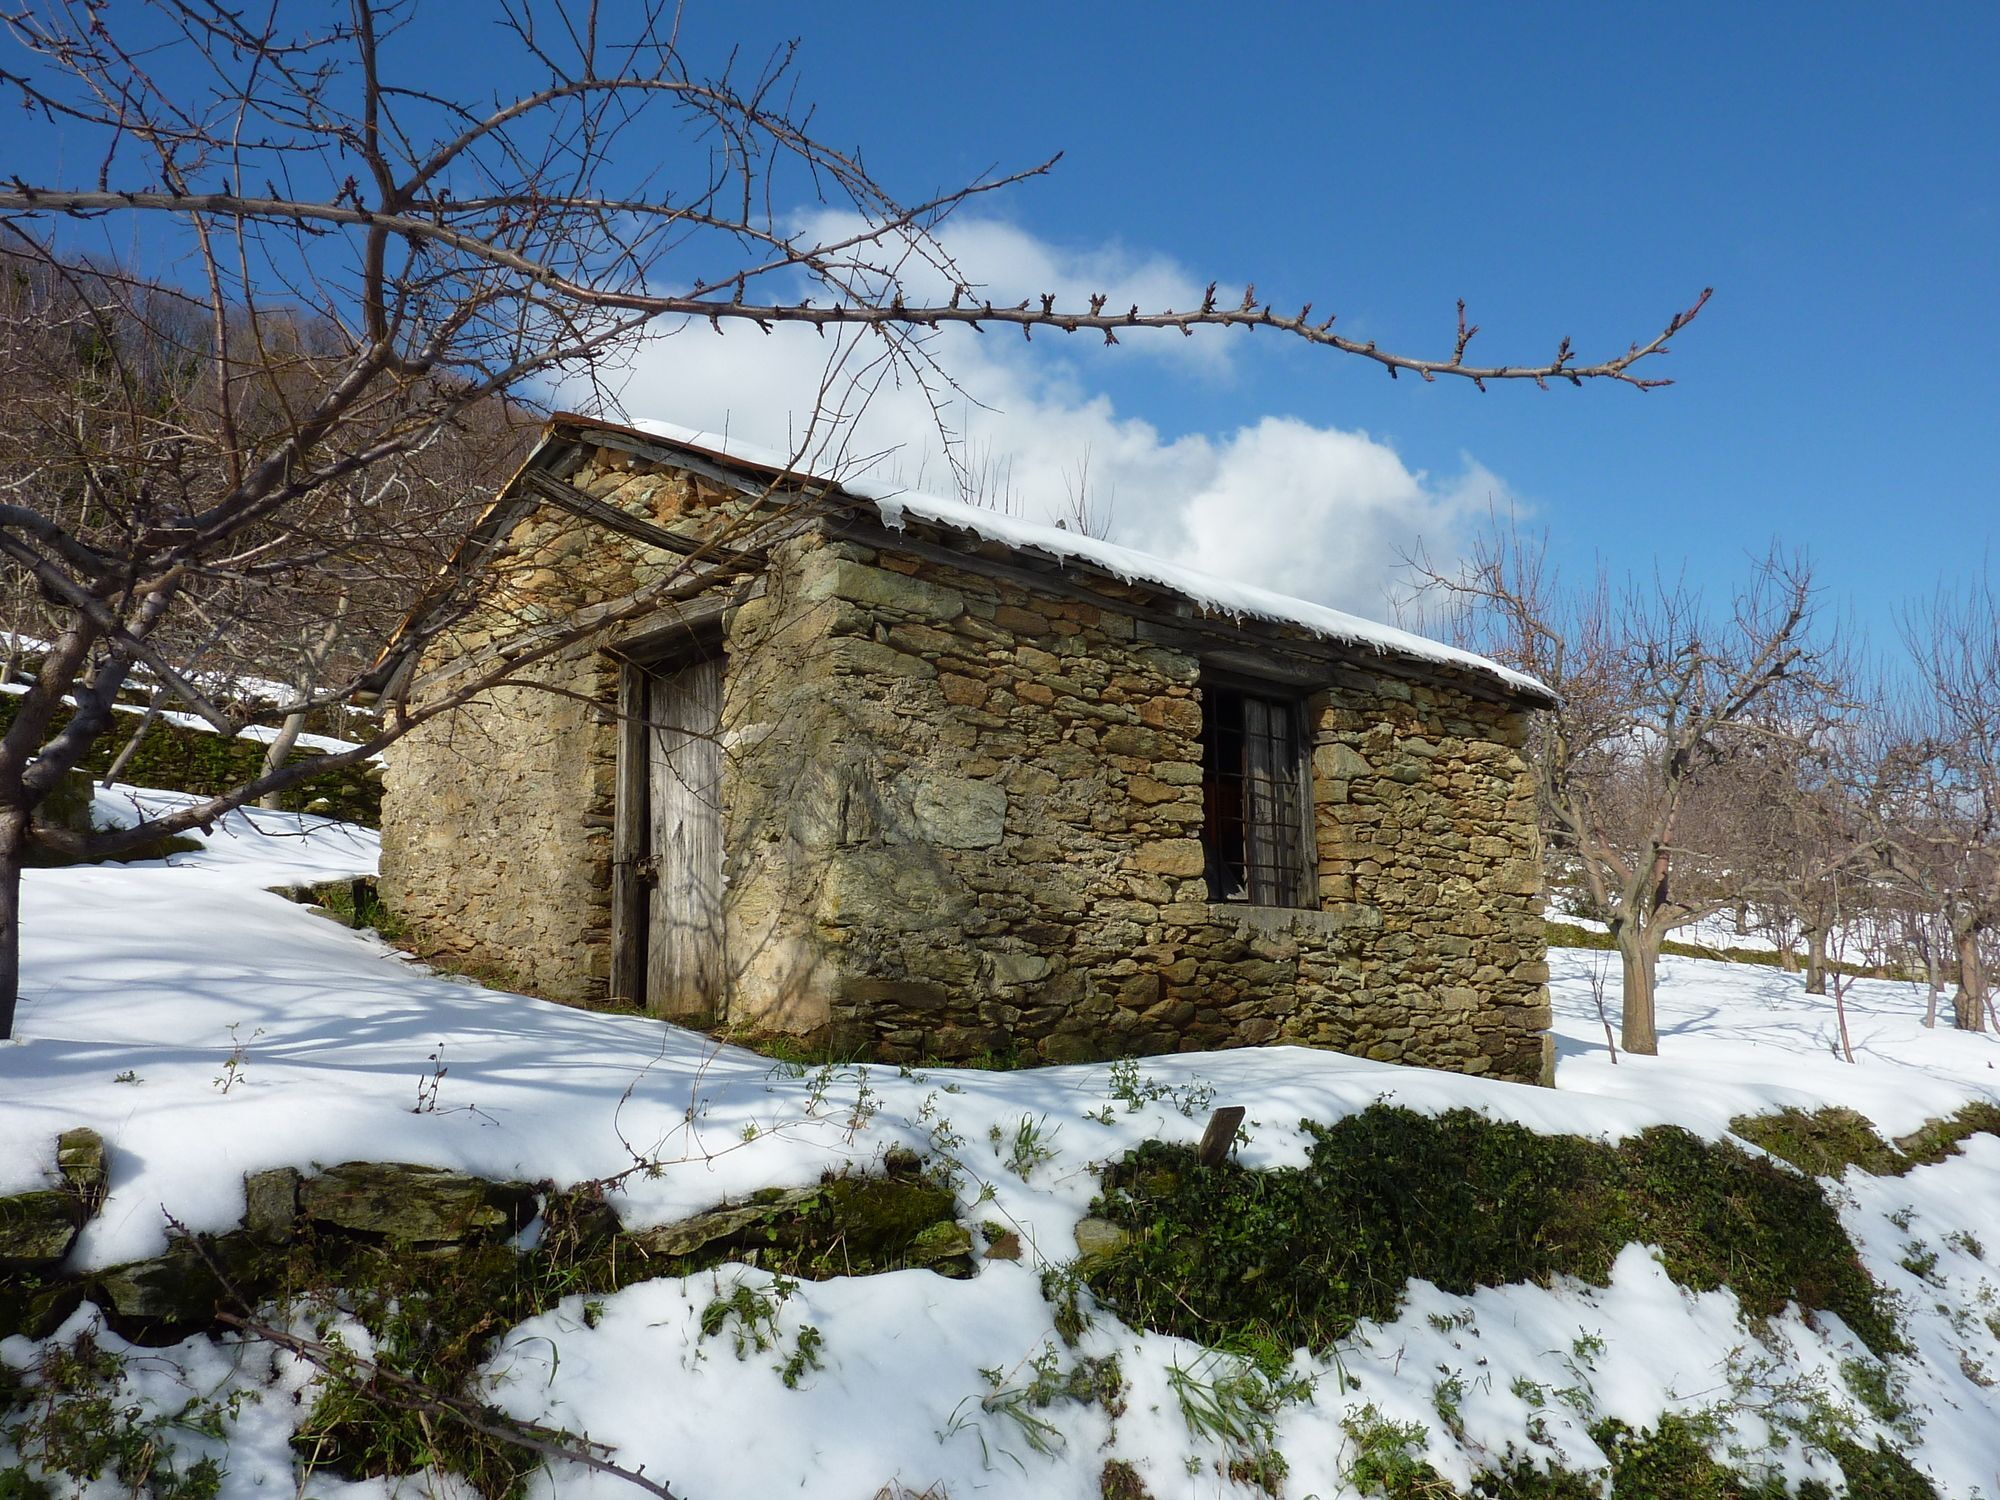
262 733
210 1028
1717 932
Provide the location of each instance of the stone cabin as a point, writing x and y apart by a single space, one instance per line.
921 780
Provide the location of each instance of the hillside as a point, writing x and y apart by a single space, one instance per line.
209 1029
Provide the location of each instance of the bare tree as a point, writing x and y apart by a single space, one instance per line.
1798 801
1655 696
1947 837
455 252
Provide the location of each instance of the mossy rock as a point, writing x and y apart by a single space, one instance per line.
886 1215
34 1308
164 1299
945 1247
847 1226
726 1225
271 1204
1098 1240
411 1204
83 1161
37 1228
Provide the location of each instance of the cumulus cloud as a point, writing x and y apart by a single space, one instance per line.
1320 512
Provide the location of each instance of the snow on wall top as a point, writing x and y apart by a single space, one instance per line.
1212 594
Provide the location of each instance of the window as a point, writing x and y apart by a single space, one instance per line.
1255 797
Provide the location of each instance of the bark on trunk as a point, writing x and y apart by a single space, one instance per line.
275 754
131 746
13 844
1815 961
1968 1004
1639 961
1840 1015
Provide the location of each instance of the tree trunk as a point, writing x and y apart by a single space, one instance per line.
131 747
1639 961
276 752
1840 984
1815 960
13 845
316 653
1968 1003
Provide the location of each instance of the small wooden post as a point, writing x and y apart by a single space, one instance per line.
1220 1135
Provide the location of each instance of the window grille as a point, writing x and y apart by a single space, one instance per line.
1254 802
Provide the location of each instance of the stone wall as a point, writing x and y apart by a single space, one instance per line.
962 817
497 818
496 833
992 806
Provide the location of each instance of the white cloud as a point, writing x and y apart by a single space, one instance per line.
1319 512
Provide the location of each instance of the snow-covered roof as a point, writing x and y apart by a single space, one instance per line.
896 505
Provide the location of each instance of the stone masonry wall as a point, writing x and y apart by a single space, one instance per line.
496 834
991 804
962 816
497 818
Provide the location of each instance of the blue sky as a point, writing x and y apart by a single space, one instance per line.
1833 171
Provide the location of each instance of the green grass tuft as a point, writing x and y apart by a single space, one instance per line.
1826 1142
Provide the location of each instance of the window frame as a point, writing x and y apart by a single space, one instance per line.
1289 880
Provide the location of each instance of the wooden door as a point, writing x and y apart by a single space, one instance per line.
684 949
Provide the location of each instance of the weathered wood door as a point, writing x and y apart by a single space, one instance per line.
684 949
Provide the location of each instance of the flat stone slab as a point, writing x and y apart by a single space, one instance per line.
414 1204
854 1222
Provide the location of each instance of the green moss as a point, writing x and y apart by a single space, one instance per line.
432 1321
75 1418
1825 1142
1937 1139
1672 1462
1880 1473
1299 1255
1519 1477
1569 935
